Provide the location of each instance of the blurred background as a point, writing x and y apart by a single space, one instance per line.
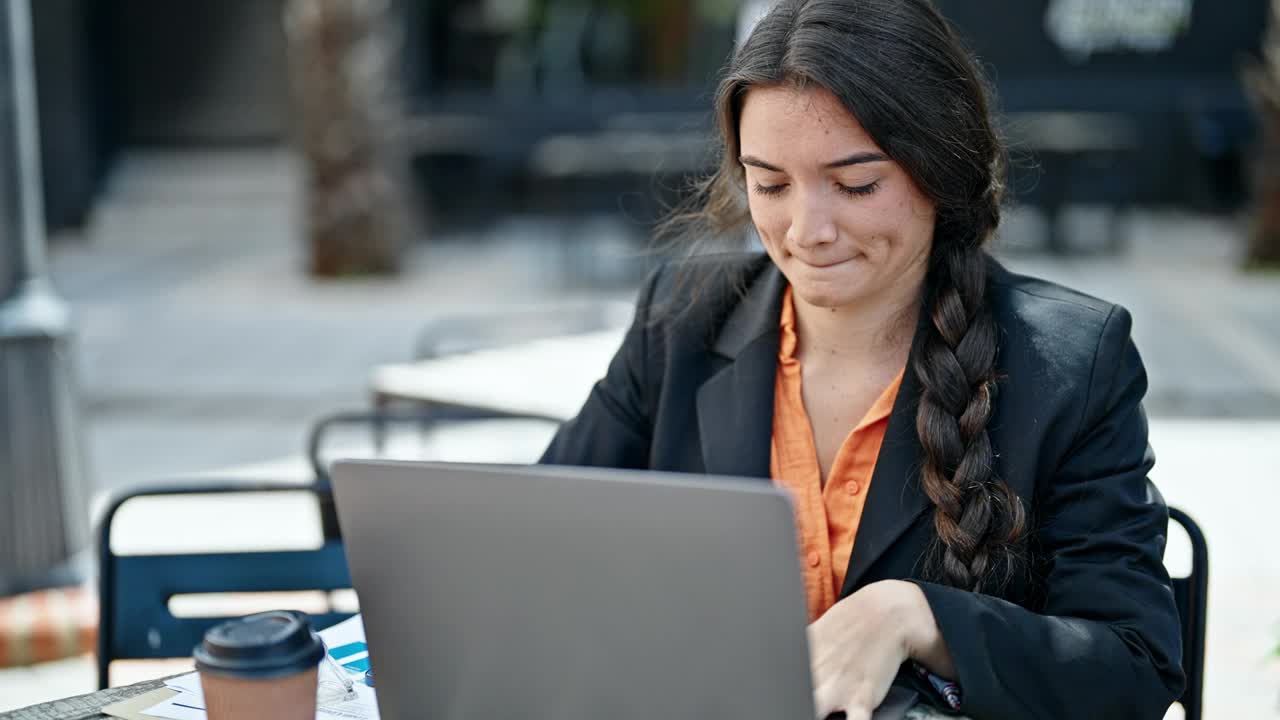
226 220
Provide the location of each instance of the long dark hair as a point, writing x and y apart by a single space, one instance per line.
903 72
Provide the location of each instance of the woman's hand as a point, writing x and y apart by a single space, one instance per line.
855 649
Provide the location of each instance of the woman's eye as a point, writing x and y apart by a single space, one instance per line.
858 190
769 189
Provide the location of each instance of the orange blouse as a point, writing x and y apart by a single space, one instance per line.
826 517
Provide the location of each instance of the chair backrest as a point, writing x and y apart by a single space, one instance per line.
134 591
1191 593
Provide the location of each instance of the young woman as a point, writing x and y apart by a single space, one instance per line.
966 447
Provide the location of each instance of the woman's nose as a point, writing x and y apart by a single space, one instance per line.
812 223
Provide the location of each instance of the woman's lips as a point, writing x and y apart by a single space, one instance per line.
826 264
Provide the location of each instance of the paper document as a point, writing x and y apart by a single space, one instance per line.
346 646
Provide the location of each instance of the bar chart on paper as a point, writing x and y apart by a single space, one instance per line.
352 656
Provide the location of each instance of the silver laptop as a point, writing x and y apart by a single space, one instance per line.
551 592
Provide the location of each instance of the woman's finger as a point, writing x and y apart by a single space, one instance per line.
826 698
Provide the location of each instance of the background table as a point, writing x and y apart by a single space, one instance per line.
549 378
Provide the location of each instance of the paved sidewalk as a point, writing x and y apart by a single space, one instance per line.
202 344
1209 334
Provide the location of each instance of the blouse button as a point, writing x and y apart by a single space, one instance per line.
853 488
813 558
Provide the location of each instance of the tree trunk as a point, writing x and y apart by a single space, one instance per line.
1264 86
347 103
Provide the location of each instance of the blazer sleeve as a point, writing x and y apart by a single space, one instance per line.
614 426
1107 643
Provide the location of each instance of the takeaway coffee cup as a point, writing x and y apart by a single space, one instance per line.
261 666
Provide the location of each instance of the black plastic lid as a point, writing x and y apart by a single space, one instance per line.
265 645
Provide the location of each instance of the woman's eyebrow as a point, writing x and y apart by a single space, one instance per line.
857 159
854 159
757 162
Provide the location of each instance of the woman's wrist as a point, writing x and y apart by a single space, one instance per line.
922 638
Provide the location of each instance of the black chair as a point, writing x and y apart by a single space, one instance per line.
425 419
134 590
1191 593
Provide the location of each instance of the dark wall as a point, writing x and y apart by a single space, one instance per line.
198 71
1187 101
1032 71
74 134
127 73
121 73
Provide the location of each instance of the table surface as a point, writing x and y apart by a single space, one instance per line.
550 378
87 707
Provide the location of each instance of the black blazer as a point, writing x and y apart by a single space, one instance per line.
1092 631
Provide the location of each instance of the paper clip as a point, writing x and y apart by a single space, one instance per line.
348 686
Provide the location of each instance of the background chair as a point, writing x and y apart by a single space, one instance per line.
135 620
1191 593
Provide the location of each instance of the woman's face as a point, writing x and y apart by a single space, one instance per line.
844 223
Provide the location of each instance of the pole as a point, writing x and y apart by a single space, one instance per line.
43 498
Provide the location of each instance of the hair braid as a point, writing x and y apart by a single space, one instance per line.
978 519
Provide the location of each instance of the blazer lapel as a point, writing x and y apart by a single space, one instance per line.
735 405
895 498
